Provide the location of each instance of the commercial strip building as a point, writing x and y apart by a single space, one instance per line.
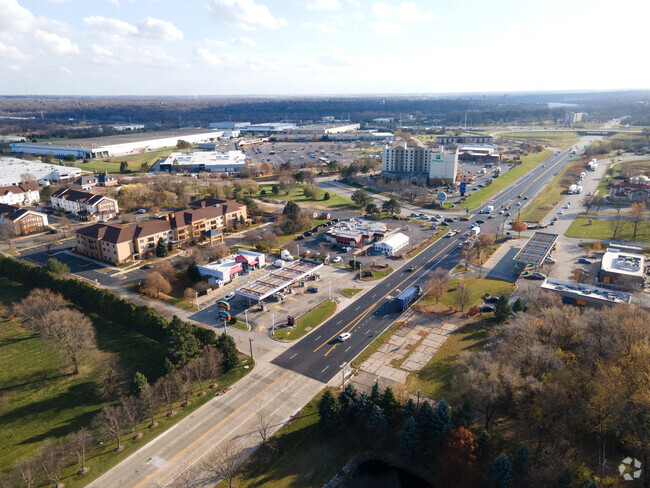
420 165
117 244
119 145
355 232
464 139
479 154
266 128
211 161
393 243
24 221
583 295
623 266
225 270
21 194
84 205
363 136
278 281
13 171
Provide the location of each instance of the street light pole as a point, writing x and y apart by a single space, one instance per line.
250 341
330 290
225 326
246 315
273 326
197 299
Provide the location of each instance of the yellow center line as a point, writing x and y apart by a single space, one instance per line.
211 430
356 321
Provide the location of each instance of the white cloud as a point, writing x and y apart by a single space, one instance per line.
111 27
58 1
355 3
338 21
12 52
15 18
65 70
159 29
244 14
56 43
114 3
320 27
215 42
388 28
101 55
358 15
14 67
244 40
406 12
218 60
336 58
319 4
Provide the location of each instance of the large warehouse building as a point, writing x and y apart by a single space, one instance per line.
14 170
120 145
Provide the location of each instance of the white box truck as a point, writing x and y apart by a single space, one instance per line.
488 209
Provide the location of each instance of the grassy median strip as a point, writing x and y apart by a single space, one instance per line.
528 162
561 140
307 322
350 292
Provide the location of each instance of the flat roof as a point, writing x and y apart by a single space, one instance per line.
586 291
536 249
278 280
395 240
11 170
95 142
623 263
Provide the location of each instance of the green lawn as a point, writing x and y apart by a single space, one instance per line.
300 456
435 380
112 165
536 210
297 195
601 229
528 163
477 286
350 292
307 322
561 140
378 273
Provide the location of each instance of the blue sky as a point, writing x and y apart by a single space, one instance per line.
298 47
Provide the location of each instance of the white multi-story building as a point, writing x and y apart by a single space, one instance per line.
85 205
420 162
23 194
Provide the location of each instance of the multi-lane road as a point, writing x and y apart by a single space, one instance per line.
321 356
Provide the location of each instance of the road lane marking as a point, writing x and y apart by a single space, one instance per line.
355 322
213 428
349 347
293 356
260 328
321 372
318 337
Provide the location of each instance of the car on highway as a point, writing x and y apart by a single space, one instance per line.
411 268
560 212
537 276
525 198
555 219
464 219
480 221
337 259
584 261
142 210
507 214
229 297
344 337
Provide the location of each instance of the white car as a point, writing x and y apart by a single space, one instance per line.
229 297
344 337
337 259
142 210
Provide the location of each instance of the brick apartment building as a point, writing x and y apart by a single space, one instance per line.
118 244
84 205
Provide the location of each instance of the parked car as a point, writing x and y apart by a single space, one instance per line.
312 289
464 219
491 299
584 261
309 233
337 259
487 309
229 297
538 276
344 337
300 237
146 266
551 260
480 221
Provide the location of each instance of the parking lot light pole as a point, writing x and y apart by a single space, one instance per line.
197 299
225 326
330 290
246 315
250 341
273 324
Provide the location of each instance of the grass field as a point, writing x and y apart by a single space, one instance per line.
112 165
550 196
528 163
350 292
308 321
477 286
435 380
600 229
378 273
300 456
631 168
42 398
297 195
561 140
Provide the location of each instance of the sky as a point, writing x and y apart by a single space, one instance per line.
312 47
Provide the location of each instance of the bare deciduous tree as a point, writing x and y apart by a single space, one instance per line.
25 470
165 269
198 368
108 386
224 461
33 309
7 232
78 444
638 215
438 283
462 296
167 390
616 224
109 423
52 458
132 409
213 363
72 331
263 426
184 384
150 404
186 477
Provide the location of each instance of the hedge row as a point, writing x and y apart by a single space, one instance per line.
106 303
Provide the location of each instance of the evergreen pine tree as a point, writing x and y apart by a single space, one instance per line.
565 479
464 415
376 426
161 248
518 306
409 439
363 409
500 472
375 393
410 409
193 272
328 411
348 402
502 309
589 484
138 382
180 342
226 344
390 405
441 422
523 455
424 418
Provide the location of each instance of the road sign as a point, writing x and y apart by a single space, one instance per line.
441 197
463 187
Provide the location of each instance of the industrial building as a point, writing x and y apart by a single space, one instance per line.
267 128
225 270
419 164
279 280
118 145
583 295
393 243
362 136
313 132
623 266
356 232
13 171
23 194
229 125
211 161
